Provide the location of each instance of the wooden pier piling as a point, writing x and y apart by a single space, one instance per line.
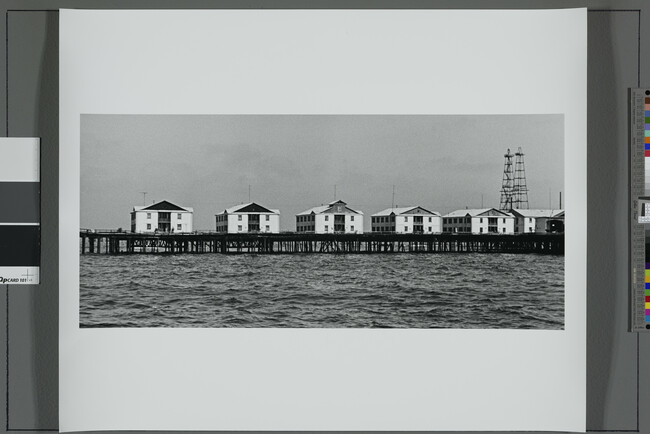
116 243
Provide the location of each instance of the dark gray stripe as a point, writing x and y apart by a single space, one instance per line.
20 202
20 246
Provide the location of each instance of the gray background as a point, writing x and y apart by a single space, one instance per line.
618 374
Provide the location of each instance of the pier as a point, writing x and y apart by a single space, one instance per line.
117 243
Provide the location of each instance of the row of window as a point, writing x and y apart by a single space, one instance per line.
452 220
240 228
178 227
491 229
224 217
388 219
179 215
305 218
392 229
385 219
311 217
327 228
306 228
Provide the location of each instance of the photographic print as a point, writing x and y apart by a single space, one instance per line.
322 221
322 217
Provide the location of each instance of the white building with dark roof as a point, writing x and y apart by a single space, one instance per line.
162 216
248 217
329 219
407 220
535 220
479 221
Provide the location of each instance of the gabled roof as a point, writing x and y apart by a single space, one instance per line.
536 213
406 210
329 209
315 210
250 208
559 214
478 213
162 206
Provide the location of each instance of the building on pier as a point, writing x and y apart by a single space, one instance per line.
407 220
479 221
537 220
248 218
335 217
555 224
162 216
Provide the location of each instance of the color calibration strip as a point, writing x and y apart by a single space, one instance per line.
639 117
647 126
647 292
639 113
20 212
644 218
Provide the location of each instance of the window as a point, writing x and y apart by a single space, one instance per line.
351 218
179 227
504 221
504 230
239 227
352 227
148 215
406 228
239 217
327 218
180 216
481 228
530 220
406 219
326 227
267 228
429 219
148 225
268 217
430 229
481 222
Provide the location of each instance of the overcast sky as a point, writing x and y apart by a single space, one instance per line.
293 162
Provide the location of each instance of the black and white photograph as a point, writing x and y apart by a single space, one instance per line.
322 221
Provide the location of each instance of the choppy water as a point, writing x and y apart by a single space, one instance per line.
323 290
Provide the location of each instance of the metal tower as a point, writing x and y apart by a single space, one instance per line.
520 191
507 184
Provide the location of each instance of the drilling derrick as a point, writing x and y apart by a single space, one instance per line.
520 191
507 184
